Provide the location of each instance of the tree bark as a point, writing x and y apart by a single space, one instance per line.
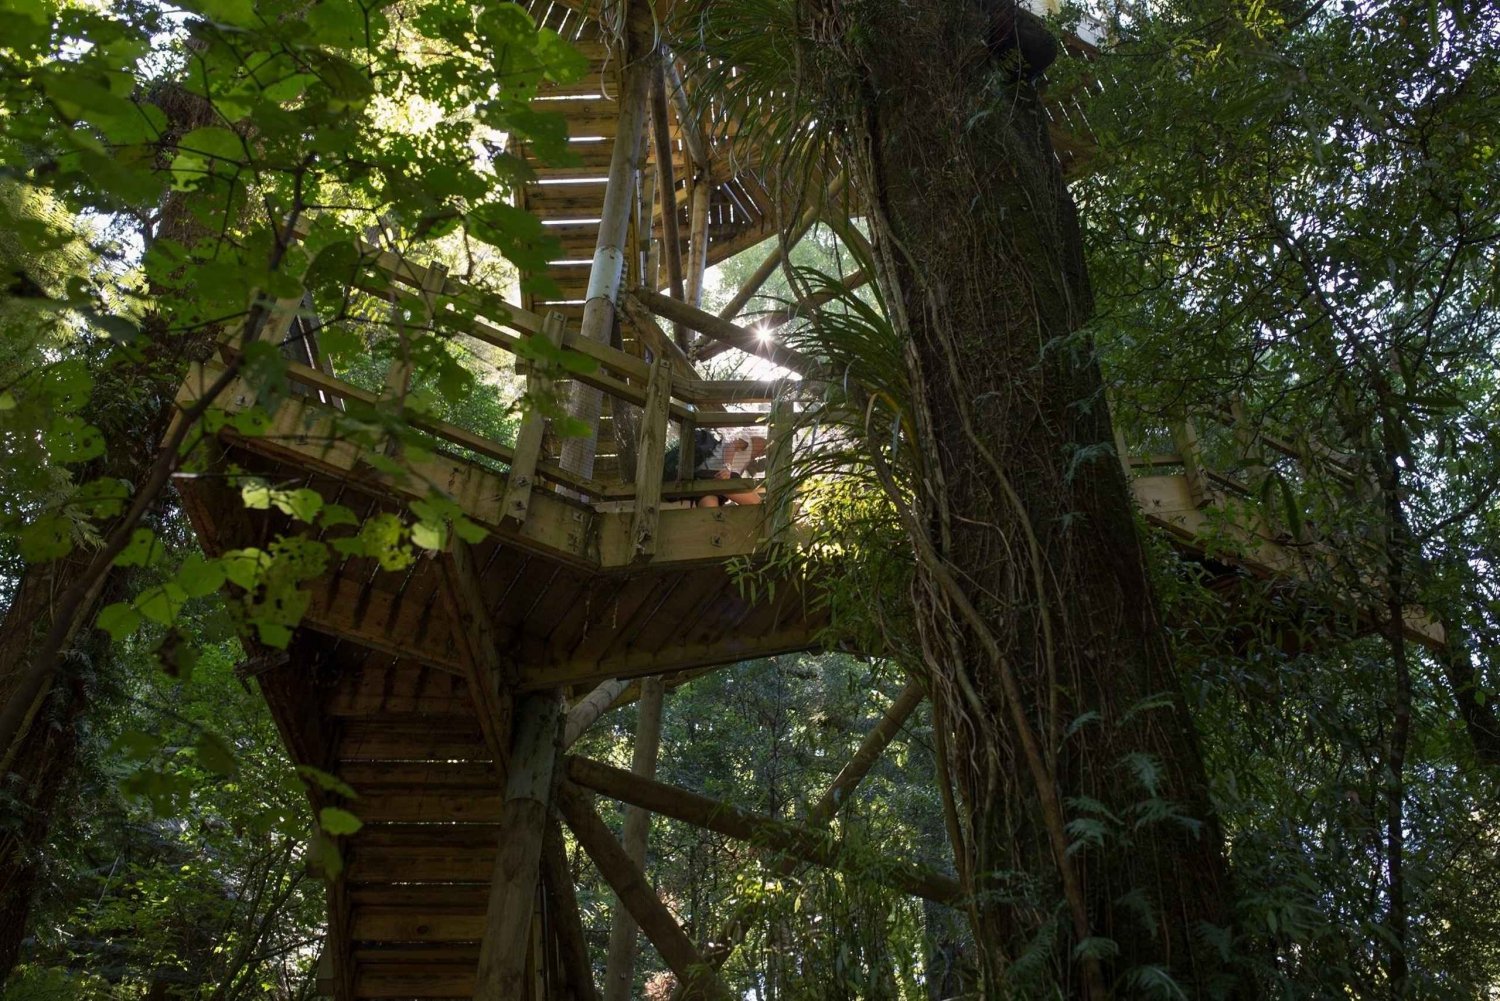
1072 751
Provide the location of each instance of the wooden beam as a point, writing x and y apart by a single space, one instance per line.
723 330
522 475
619 969
650 455
635 663
489 676
523 823
666 183
567 921
588 709
869 752
799 842
609 248
784 245
636 895
697 262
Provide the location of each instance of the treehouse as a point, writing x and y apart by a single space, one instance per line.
444 691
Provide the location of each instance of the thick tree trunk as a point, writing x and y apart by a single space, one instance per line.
1089 827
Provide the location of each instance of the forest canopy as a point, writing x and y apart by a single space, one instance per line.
1151 771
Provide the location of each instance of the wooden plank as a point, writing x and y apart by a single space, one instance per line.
523 821
780 503
404 924
386 688
723 818
650 455
519 483
420 864
455 738
488 672
634 663
635 893
619 968
381 620
418 805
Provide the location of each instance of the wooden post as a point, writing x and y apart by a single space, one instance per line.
779 470
790 839
588 709
650 456
636 895
666 184
609 253
1185 434
620 966
827 806
692 130
567 921
869 752
767 267
697 263
523 824
522 476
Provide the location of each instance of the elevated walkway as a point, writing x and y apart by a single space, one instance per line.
413 686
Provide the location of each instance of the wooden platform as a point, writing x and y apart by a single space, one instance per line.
404 683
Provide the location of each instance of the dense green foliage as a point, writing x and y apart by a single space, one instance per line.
1289 209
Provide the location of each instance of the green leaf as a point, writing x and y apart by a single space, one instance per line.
244 566
302 504
215 754
102 498
119 620
256 495
327 782
199 577
143 550
429 536
214 142
71 439
161 604
338 514
48 538
337 822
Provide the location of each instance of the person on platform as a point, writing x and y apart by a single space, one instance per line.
721 457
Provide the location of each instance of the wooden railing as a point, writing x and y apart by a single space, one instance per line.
661 382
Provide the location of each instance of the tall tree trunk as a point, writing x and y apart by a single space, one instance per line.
1090 832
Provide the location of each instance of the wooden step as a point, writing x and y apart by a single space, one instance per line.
411 980
402 688
421 864
446 737
416 924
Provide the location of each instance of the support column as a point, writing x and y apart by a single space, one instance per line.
609 249
619 969
523 825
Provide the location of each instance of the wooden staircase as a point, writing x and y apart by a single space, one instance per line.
403 685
